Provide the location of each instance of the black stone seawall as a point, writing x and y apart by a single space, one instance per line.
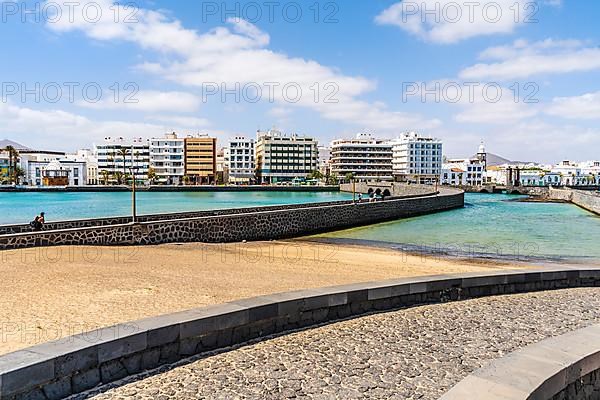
236 226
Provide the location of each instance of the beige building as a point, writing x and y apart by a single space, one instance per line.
282 158
201 159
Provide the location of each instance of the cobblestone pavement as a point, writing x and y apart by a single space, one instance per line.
417 353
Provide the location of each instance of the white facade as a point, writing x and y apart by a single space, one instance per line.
416 158
241 162
285 158
91 162
463 172
75 170
365 157
115 156
167 158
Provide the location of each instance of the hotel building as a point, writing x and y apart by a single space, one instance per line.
241 163
201 159
167 158
416 158
283 158
365 157
115 155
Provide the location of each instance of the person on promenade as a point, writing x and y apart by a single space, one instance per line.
360 197
38 223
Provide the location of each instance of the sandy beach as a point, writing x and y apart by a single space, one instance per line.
49 293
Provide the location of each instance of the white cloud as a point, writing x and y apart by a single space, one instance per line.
148 101
450 21
178 120
523 59
586 106
56 129
239 54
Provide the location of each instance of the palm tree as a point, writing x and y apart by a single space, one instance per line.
13 158
18 174
124 152
316 175
349 177
151 175
105 175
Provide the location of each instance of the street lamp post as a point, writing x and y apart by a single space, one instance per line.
133 199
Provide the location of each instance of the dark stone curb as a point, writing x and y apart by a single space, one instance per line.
560 368
72 365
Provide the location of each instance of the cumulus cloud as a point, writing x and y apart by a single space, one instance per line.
523 59
148 101
238 53
450 21
586 106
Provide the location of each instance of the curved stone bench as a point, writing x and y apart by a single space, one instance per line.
566 367
72 365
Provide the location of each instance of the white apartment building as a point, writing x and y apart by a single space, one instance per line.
284 158
43 173
167 158
463 172
324 160
118 155
91 164
416 158
365 157
241 162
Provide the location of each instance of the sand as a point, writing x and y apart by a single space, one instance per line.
49 293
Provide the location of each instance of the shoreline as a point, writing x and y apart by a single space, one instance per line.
53 292
455 255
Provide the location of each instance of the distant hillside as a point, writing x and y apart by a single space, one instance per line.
494 160
18 146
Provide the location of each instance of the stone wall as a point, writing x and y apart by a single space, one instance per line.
588 200
236 227
395 189
565 367
86 223
72 365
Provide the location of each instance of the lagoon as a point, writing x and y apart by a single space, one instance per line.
494 226
22 207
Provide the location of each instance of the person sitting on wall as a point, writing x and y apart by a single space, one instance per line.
360 197
38 223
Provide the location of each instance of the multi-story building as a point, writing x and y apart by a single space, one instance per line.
200 159
284 158
241 163
416 158
365 157
91 162
463 172
324 160
120 156
167 159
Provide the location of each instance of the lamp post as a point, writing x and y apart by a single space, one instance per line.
133 199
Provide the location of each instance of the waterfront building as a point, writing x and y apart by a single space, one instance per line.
324 160
241 161
223 166
167 159
463 172
91 164
118 156
284 158
200 159
416 158
365 157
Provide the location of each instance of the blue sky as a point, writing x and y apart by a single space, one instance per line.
373 59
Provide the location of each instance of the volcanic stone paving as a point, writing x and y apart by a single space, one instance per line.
417 353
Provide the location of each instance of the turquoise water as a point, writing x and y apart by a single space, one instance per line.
23 207
494 226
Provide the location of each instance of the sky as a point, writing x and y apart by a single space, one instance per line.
520 75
